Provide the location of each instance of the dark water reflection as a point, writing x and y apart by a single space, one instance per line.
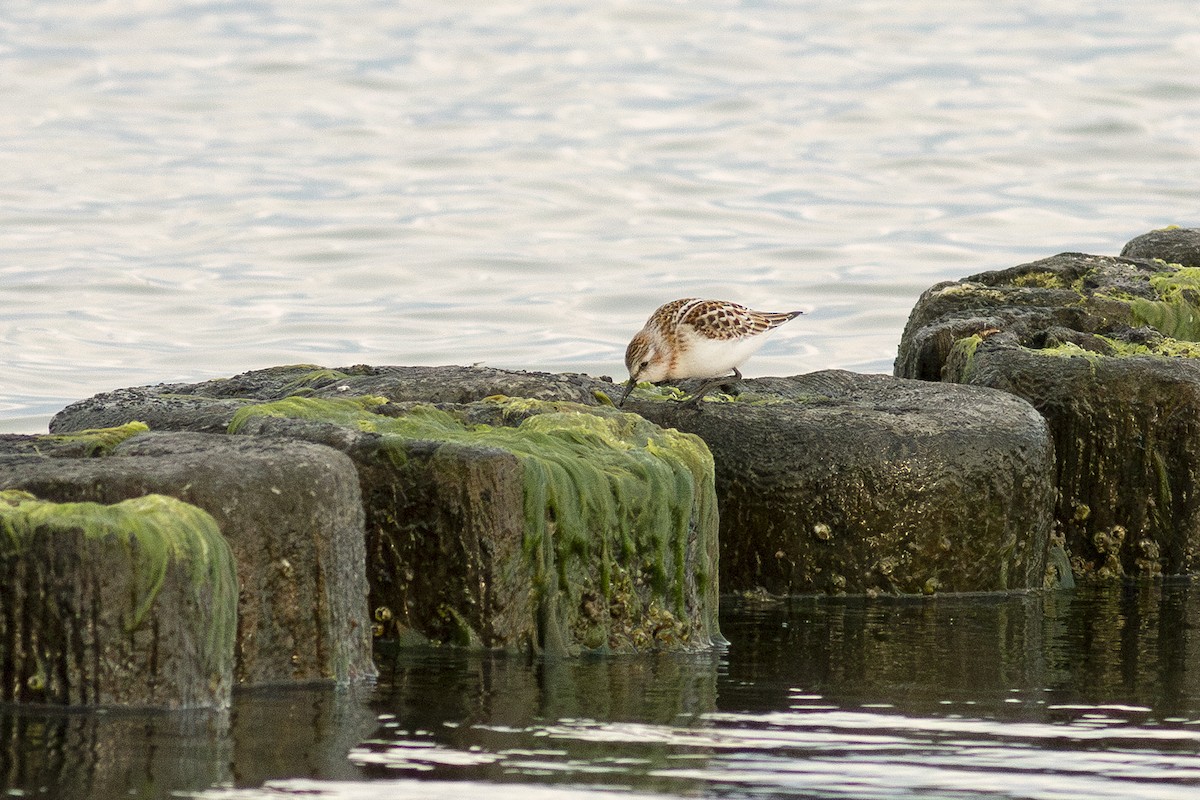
1091 693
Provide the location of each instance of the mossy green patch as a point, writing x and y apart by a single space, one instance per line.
1176 312
657 392
603 490
1069 350
988 295
1039 279
97 441
349 411
1166 347
665 393
1171 348
314 379
155 532
960 361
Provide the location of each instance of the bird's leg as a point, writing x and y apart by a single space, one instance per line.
694 400
707 386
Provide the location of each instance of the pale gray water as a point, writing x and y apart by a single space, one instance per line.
194 189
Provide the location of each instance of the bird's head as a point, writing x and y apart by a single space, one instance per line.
645 361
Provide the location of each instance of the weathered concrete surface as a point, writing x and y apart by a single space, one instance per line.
290 511
1172 245
838 482
128 604
1127 434
1073 291
1105 349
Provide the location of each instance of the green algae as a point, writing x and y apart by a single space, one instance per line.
659 392
1166 347
156 533
1039 279
665 393
960 361
313 379
1177 311
97 441
603 398
603 490
968 288
348 411
1070 350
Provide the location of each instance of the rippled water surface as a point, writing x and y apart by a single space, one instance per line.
1083 694
197 188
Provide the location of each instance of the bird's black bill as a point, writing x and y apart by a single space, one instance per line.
628 388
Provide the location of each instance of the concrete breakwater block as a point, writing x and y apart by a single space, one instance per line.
509 522
1171 245
291 513
525 524
825 483
839 482
1108 350
126 604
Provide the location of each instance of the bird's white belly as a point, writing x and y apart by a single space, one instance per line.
711 358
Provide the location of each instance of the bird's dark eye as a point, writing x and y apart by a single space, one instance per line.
643 365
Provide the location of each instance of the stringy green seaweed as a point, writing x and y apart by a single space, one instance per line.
155 532
608 485
1177 311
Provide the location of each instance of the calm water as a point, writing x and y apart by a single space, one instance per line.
197 188
1085 694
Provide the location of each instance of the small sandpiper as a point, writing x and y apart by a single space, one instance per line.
693 338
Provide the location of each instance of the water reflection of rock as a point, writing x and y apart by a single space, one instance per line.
454 716
266 735
425 688
64 755
1007 654
1115 651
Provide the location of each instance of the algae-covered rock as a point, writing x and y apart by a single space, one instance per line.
490 522
86 443
210 406
1104 348
429 512
1072 291
130 604
520 523
837 482
290 511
